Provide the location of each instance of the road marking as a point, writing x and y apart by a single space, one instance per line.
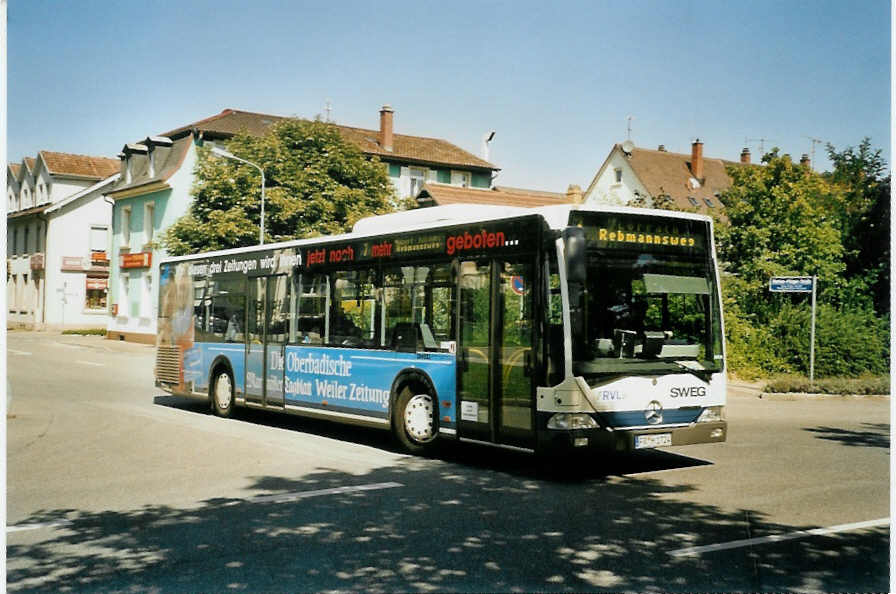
24 527
286 497
734 544
91 363
15 352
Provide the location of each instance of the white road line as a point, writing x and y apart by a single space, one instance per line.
91 363
24 527
285 497
734 544
15 352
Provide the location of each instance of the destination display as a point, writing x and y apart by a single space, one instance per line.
474 239
615 231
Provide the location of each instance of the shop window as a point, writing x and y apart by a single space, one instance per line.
96 291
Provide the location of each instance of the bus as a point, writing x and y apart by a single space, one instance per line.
542 329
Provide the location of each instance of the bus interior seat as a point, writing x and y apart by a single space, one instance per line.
429 341
404 337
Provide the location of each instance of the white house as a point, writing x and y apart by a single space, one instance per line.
683 181
77 263
33 187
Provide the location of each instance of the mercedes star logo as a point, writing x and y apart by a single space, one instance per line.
654 413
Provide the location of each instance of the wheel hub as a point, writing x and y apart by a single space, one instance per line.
223 391
418 418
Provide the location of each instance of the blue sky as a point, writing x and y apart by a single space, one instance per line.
555 80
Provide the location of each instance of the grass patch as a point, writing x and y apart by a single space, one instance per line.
87 331
862 385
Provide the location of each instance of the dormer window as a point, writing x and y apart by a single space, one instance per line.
460 178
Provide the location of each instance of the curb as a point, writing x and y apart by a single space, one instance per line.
814 396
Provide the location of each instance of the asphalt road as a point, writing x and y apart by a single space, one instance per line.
113 485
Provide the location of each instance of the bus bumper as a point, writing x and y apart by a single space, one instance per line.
627 440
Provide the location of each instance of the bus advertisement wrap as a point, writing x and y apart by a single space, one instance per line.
353 380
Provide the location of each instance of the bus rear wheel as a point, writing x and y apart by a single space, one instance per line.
222 393
414 420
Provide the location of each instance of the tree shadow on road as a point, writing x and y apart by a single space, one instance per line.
451 525
875 435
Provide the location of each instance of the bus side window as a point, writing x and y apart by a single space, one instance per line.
417 306
355 305
313 309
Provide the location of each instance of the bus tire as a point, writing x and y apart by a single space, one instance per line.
414 418
222 393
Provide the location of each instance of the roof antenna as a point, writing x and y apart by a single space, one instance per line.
629 130
328 109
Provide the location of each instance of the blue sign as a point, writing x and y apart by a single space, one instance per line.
790 284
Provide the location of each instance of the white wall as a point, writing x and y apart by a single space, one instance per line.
607 191
69 236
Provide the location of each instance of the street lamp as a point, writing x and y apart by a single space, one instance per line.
227 155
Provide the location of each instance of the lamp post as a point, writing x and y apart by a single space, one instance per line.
227 155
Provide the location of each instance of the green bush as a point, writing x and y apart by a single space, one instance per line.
849 342
87 331
863 385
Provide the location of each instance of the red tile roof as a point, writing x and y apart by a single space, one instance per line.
404 147
435 194
15 169
668 173
80 165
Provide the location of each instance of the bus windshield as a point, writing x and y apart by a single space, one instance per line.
648 313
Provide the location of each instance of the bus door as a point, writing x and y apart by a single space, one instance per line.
495 384
266 335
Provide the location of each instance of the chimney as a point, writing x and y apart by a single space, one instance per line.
697 159
745 156
661 148
804 161
574 194
386 127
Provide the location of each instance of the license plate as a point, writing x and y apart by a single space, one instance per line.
654 440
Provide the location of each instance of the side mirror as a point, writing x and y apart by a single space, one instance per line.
574 242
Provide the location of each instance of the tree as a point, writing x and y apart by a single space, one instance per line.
317 183
783 219
864 218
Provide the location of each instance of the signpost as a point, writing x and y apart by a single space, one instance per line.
799 284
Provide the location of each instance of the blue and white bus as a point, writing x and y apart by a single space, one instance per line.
539 329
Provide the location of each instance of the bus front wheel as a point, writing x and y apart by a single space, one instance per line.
414 419
222 393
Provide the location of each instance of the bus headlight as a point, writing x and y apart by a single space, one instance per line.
569 421
711 414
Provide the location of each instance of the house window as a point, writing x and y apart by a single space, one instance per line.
460 178
146 297
709 203
126 226
98 241
123 297
418 177
27 239
618 174
148 211
15 242
693 201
